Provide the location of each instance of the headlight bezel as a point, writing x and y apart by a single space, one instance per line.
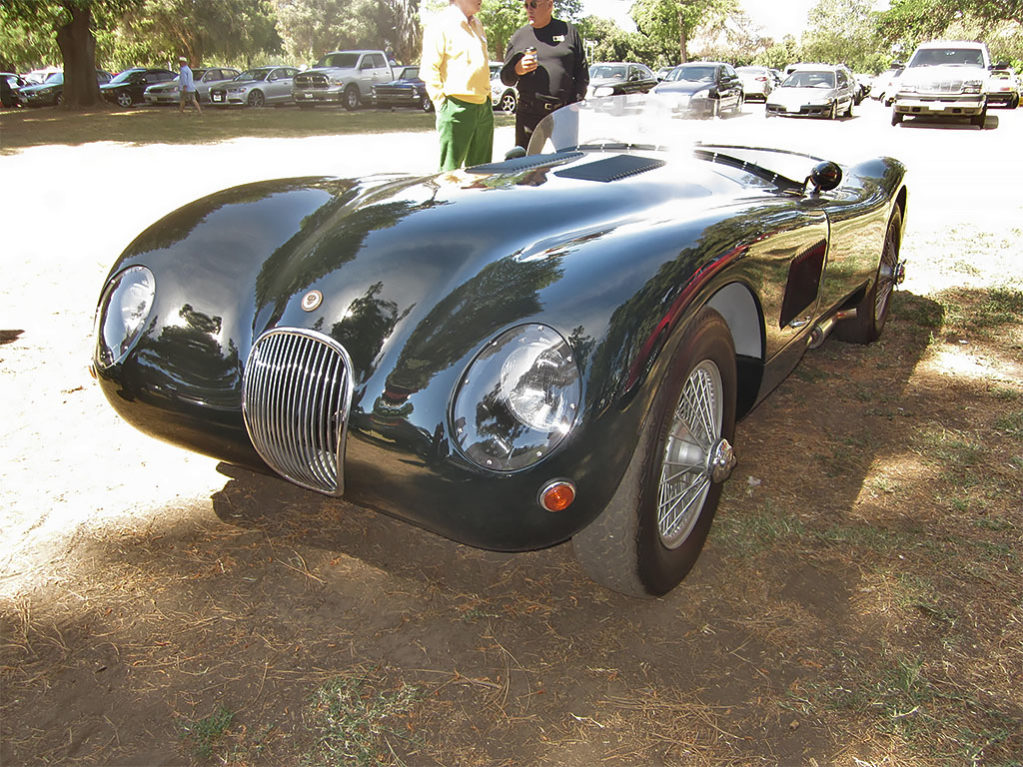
118 326
518 399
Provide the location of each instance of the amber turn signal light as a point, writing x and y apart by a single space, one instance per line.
557 495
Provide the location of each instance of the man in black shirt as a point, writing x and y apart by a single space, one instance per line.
546 61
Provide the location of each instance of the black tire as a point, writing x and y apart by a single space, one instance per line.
256 99
125 99
849 111
833 114
626 548
352 98
425 104
979 119
873 310
896 117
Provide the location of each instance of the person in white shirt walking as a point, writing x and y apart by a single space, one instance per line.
186 87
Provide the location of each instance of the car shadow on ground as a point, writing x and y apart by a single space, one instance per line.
520 657
949 123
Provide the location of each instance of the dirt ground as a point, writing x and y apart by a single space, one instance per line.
859 602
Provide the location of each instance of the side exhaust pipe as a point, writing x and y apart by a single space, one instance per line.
823 329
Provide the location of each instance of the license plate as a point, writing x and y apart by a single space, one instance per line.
936 107
217 97
307 95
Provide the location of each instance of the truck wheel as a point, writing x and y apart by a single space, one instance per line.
352 99
651 532
980 119
896 117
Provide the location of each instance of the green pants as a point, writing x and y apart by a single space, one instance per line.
466 133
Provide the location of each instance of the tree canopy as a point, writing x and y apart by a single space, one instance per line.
115 34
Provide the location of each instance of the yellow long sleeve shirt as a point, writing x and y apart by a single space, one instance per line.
455 59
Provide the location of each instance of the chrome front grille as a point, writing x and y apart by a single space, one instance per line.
296 396
941 87
315 80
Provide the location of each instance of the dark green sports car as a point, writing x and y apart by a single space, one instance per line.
550 347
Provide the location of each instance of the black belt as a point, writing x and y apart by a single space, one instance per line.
542 104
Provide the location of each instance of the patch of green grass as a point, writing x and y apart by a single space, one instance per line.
1011 424
917 310
900 700
357 724
916 592
748 532
205 734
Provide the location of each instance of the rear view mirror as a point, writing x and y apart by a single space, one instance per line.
825 176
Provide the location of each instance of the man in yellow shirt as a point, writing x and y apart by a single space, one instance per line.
456 69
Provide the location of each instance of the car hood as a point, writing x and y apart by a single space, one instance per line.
682 86
402 261
945 72
795 96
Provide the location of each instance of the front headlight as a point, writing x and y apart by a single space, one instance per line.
517 400
704 94
122 313
972 86
602 91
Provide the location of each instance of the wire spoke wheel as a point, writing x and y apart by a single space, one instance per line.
685 476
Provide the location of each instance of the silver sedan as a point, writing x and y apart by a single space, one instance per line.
256 87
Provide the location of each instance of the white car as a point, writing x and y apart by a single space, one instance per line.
818 90
757 82
885 86
1003 88
504 97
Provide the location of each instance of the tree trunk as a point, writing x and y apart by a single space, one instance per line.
78 47
683 42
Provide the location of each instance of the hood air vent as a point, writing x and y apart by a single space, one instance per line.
611 168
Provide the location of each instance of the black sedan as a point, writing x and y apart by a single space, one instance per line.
129 87
50 92
408 90
617 78
703 88
551 347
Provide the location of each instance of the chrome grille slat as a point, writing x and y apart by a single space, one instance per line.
295 398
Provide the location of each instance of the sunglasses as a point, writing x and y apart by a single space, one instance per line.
532 3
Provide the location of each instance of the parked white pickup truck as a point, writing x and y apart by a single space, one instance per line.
946 78
342 77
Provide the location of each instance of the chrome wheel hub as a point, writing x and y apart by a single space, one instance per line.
695 455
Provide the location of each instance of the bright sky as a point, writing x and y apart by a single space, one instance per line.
777 17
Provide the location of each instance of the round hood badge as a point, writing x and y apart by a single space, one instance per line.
311 300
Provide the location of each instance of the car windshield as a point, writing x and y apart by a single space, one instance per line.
693 74
960 57
607 72
124 76
810 79
638 128
253 74
339 60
